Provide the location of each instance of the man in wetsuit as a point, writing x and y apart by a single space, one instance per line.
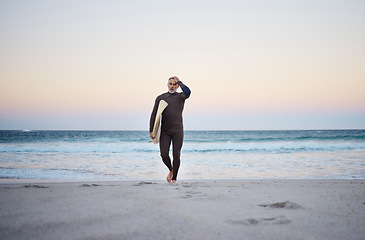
172 125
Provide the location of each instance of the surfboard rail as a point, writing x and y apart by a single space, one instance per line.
157 126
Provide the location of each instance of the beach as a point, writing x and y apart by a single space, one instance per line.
192 209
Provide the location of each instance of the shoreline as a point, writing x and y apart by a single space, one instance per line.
192 209
161 180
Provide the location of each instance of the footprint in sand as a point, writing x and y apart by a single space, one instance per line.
143 183
26 186
269 221
35 186
90 185
190 194
260 221
287 205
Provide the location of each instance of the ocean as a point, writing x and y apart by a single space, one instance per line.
128 155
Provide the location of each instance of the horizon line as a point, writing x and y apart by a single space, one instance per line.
188 130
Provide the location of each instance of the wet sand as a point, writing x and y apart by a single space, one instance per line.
203 209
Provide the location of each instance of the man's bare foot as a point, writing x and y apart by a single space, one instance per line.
173 181
169 176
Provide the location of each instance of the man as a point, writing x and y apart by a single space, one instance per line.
172 125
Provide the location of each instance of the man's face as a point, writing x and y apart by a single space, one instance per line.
172 85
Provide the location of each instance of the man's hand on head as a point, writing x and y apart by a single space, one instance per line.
176 79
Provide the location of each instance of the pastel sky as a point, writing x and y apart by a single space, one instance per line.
250 64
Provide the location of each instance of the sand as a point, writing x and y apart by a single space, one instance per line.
203 209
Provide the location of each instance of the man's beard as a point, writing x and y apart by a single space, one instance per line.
172 91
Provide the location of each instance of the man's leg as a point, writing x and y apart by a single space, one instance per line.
177 142
165 142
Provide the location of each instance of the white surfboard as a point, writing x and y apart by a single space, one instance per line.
156 133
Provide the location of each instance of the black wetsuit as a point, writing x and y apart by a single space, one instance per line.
172 129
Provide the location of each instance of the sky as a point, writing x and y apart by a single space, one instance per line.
251 65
